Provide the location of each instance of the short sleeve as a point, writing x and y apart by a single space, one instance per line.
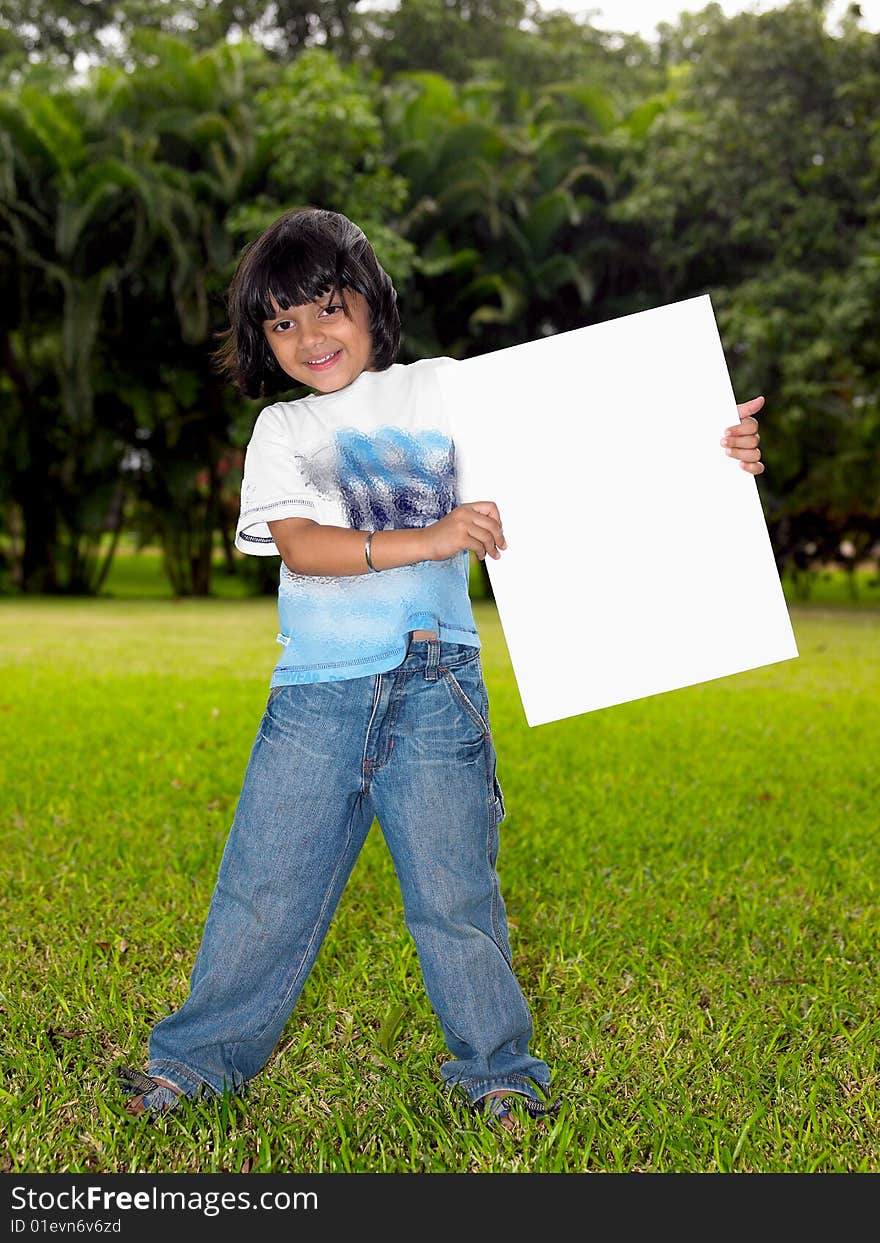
272 487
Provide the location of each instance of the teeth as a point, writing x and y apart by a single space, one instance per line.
322 360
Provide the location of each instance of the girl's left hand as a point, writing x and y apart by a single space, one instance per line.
742 441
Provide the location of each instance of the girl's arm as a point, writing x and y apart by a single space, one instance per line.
309 547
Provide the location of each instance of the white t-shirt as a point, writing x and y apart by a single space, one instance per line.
373 456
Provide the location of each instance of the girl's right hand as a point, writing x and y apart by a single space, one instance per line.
476 526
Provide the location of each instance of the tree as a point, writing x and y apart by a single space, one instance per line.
74 227
760 184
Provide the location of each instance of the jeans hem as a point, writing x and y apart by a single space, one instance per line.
476 1088
184 1079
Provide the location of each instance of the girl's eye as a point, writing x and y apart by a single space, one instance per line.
331 309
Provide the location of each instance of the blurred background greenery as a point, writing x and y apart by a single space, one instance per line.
519 172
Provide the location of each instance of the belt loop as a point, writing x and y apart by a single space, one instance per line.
433 659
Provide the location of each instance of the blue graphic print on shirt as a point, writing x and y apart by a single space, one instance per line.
391 477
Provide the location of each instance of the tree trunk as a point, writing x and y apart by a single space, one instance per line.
31 489
229 566
117 517
39 570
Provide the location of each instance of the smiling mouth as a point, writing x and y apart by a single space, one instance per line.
326 360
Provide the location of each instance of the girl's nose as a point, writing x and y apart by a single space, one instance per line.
313 338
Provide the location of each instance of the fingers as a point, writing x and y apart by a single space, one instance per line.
486 541
748 452
742 440
748 424
747 408
746 457
482 548
488 518
485 530
748 427
743 447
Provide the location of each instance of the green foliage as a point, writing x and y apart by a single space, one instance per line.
759 182
73 228
321 138
447 38
503 215
518 172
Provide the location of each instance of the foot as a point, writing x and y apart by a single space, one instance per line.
151 1095
495 1108
500 1113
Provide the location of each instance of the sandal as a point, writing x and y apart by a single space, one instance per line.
139 1087
497 1110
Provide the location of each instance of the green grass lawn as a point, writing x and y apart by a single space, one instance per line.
692 883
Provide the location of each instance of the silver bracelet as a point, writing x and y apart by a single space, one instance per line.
367 552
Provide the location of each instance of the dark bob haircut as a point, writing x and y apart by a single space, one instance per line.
306 253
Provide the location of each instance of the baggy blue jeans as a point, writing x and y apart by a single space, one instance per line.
413 747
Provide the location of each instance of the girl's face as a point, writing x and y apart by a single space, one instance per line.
317 344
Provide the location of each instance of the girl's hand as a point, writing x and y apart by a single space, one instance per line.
742 441
476 525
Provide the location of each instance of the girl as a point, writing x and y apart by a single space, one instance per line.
377 705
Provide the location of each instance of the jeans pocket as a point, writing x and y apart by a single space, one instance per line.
273 694
466 688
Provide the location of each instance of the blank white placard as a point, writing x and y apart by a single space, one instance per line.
638 557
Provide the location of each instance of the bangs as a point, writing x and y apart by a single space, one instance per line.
293 276
300 258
